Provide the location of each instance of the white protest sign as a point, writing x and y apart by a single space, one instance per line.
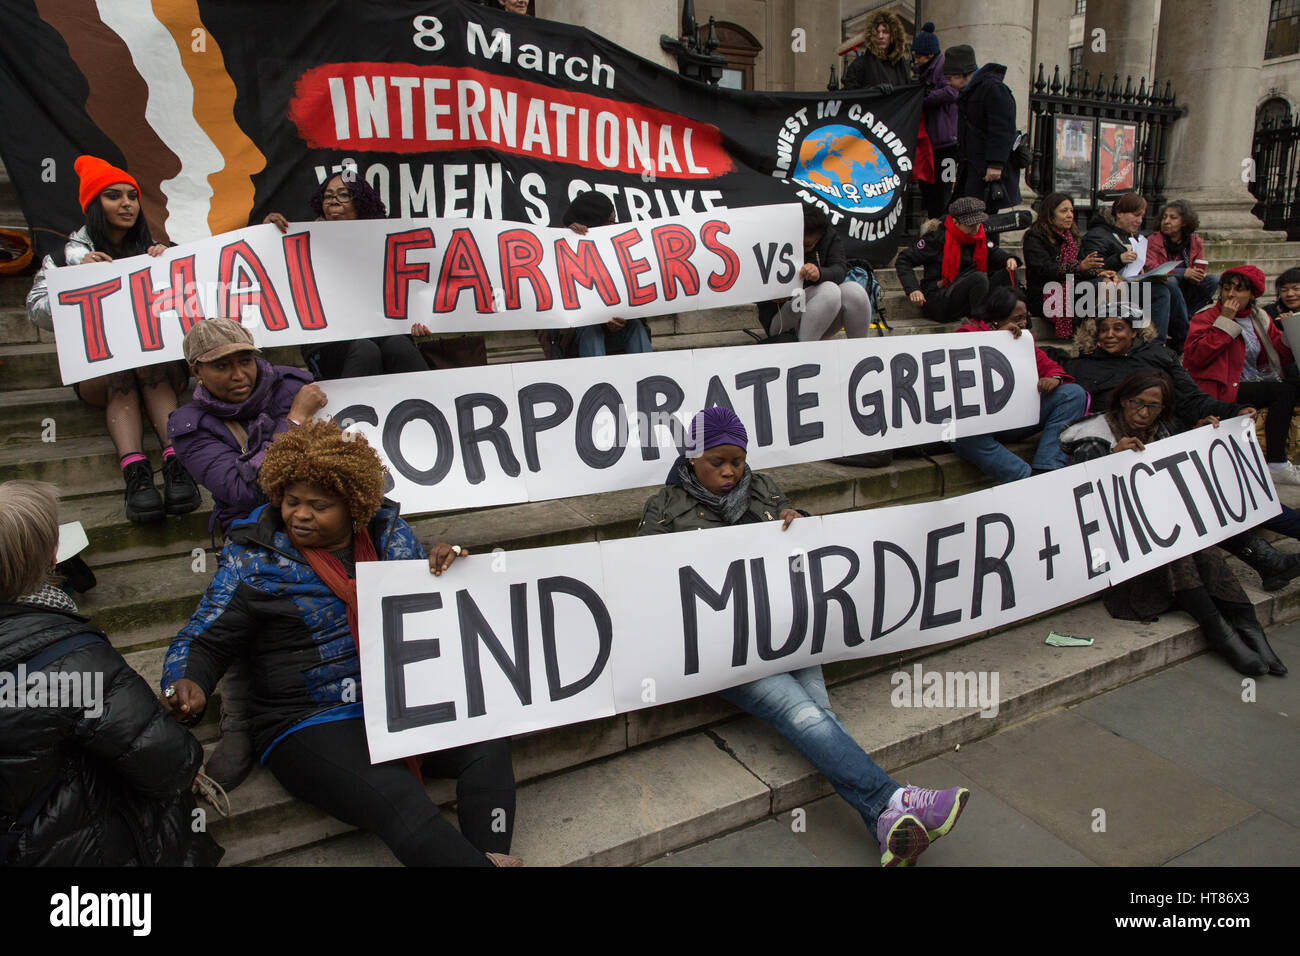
329 281
525 647
697 612
534 431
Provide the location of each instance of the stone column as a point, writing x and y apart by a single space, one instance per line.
1051 37
633 26
1001 31
1129 37
1213 60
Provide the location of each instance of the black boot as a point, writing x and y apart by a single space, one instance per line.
231 760
179 490
1223 637
143 503
1274 567
1242 617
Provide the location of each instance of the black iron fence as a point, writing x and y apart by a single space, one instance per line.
1276 158
1096 143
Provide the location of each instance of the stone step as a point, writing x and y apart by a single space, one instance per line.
643 801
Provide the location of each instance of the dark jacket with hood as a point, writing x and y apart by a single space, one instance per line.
986 130
210 451
871 70
268 603
674 509
112 776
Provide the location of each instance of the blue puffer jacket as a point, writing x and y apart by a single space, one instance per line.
268 603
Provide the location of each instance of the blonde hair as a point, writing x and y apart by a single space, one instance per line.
29 536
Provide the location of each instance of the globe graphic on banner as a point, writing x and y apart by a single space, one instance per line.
846 170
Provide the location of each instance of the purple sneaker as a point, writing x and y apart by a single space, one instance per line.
937 810
902 838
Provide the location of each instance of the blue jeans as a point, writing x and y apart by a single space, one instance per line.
598 340
1169 313
1058 408
796 705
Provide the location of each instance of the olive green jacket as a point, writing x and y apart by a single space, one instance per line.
672 509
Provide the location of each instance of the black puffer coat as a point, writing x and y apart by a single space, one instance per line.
121 778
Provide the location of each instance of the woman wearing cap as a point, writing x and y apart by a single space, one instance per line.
240 404
340 199
715 488
1236 353
115 229
1110 350
285 595
958 262
617 336
1201 584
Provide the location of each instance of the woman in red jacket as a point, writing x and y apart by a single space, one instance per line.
1236 354
1060 400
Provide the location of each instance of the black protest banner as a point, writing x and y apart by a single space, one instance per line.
227 110
517 641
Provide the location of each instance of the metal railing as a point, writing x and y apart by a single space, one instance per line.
1096 142
1276 157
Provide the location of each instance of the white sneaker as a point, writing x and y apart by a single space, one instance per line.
1284 473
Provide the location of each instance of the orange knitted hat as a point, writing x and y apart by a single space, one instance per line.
96 176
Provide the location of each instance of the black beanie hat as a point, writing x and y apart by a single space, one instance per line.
591 208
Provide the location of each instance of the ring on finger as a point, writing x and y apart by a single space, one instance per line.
457 549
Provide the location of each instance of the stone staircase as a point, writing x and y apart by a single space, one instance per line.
621 790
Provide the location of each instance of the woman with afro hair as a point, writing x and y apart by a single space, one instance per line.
344 198
285 596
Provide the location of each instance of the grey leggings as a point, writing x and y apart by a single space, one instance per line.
827 308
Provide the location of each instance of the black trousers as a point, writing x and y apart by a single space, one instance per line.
1280 400
968 290
362 358
936 195
328 765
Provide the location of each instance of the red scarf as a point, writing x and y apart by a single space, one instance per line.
952 243
331 571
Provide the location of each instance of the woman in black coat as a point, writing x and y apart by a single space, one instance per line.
1052 255
92 770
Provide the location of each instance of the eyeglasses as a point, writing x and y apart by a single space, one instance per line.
342 197
1137 405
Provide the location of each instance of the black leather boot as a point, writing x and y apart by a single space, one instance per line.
1223 637
1274 567
1242 617
143 503
179 490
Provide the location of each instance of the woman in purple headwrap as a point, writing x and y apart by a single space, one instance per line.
714 488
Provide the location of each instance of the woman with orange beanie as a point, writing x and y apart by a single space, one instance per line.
115 229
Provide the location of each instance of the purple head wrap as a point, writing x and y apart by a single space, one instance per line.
717 426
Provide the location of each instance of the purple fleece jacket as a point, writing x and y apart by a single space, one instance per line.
209 450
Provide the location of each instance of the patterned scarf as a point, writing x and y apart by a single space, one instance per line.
1069 248
49 596
730 506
